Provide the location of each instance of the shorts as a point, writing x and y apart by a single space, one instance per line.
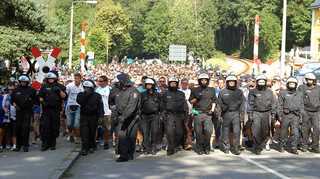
105 121
10 128
73 117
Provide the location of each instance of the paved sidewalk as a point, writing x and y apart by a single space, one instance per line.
36 164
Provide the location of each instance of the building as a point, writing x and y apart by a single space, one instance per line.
315 30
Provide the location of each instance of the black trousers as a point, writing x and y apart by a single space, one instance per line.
127 138
290 121
23 125
88 128
174 127
203 128
150 126
310 121
49 126
260 129
231 120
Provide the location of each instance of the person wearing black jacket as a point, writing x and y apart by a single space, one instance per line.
51 96
127 108
91 108
311 116
23 98
175 109
203 99
150 117
231 101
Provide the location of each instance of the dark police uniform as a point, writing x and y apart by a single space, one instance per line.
175 109
311 98
203 125
24 98
231 103
150 120
91 108
51 108
262 105
127 108
290 112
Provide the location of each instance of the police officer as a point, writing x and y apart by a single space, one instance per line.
311 97
23 98
150 116
231 101
127 109
175 109
203 99
51 97
290 111
262 106
91 108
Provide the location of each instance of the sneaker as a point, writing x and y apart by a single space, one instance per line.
25 149
13 148
1 149
267 147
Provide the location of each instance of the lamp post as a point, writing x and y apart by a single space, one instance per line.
71 29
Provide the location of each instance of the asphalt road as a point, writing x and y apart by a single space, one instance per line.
187 164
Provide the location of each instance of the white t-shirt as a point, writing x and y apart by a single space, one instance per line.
187 93
73 91
105 92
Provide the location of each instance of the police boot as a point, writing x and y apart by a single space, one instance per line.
84 152
44 146
281 149
53 144
120 159
236 151
25 149
315 150
257 151
170 152
17 149
303 149
294 151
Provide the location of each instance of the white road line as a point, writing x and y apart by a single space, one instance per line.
265 168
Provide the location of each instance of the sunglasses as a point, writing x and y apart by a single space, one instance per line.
162 81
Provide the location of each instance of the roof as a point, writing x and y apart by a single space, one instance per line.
316 4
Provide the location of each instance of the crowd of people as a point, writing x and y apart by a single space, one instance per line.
149 108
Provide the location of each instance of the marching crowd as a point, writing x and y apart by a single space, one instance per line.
162 112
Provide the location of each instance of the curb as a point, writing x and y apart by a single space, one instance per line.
66 164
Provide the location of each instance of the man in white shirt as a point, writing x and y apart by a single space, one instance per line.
73 108
188 122
104 90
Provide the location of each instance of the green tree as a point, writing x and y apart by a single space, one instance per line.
100 43
113 20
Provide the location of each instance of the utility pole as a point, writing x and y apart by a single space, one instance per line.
283 43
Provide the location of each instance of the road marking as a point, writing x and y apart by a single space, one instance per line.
265 168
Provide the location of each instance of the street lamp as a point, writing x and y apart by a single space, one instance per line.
71 29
